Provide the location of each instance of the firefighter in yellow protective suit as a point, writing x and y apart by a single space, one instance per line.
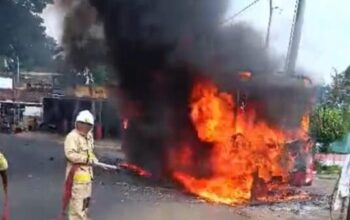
3 163
3 173
78 146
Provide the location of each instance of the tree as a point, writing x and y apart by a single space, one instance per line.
35 6
338 92
330 121
23 34
328 124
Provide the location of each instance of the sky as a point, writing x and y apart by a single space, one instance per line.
325 40
53 21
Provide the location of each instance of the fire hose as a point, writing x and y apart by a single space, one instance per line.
106 166
133 168
5 212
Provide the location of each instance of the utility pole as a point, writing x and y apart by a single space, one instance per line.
267 42
18 71
294 43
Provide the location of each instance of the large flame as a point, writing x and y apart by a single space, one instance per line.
305 123
247 154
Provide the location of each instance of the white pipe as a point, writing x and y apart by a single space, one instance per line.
295 38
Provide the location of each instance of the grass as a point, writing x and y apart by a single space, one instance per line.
323 169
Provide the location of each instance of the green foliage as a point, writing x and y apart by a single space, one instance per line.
323 169
330 121
35 6
346 118
23 34
328 124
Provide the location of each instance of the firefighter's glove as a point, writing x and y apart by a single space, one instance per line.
92 158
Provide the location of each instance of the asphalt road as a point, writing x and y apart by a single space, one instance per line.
36 180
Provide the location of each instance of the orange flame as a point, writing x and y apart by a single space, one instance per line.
305 123
135 169
245 151
125 124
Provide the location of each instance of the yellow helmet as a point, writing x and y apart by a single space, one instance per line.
3 163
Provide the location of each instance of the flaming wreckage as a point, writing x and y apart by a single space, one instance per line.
201 101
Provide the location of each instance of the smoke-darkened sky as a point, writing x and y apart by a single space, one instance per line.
324 42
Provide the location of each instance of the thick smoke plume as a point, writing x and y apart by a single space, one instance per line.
159 48
83 37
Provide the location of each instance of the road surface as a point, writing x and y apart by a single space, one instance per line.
36 180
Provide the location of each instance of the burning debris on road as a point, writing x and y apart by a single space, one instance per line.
189 118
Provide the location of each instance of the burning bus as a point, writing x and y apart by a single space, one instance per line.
237 154
226 139
300 147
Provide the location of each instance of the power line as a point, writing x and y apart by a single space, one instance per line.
240 12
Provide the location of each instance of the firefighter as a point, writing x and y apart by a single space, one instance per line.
80 157
3 173
3 163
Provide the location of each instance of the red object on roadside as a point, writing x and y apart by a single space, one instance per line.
5 212
98 132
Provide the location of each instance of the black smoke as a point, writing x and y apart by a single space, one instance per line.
159 48
83 36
